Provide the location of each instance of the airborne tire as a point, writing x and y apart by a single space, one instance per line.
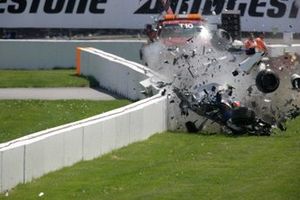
267 81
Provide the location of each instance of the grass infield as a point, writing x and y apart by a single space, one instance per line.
182 166
22 117
43 78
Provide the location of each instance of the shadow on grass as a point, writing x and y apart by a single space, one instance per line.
93 83
193 129
114 95
63 68
222 134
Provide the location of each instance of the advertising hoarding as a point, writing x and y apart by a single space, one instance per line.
256 15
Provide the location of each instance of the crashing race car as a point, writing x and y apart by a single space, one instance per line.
215 102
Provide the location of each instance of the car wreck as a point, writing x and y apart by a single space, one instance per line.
215 103
208 77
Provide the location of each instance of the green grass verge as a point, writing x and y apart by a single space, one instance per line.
182 166
20 117
43 78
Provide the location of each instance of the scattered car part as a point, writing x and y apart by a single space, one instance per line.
295 79
267 81
249 63
222 40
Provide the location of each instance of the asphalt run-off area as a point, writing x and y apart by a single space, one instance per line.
55 93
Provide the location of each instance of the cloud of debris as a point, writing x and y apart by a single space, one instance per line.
211 64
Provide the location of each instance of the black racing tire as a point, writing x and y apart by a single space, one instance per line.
267 81
242 116
191 127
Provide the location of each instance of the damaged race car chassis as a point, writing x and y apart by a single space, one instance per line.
234 119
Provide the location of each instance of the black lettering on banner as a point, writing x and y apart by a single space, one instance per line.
196 6
2 9
158 8
70 6
294 11
242 8
279 12
231 4
184 7
253 6
94 6
81 7
53 9
209 4
174 5
146 8
34 6
18 8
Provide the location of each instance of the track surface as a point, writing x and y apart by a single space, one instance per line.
55 93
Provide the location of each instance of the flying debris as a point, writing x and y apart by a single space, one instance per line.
210 80
295 80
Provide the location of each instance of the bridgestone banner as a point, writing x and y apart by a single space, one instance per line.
256 15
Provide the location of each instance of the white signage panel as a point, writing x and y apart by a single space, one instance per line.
256 15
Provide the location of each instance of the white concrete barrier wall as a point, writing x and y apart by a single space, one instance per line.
35 54
44 155
61 148
113 73
12 167
32 156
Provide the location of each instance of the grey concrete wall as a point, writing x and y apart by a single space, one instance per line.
114 73
34 54
279 49
32 156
